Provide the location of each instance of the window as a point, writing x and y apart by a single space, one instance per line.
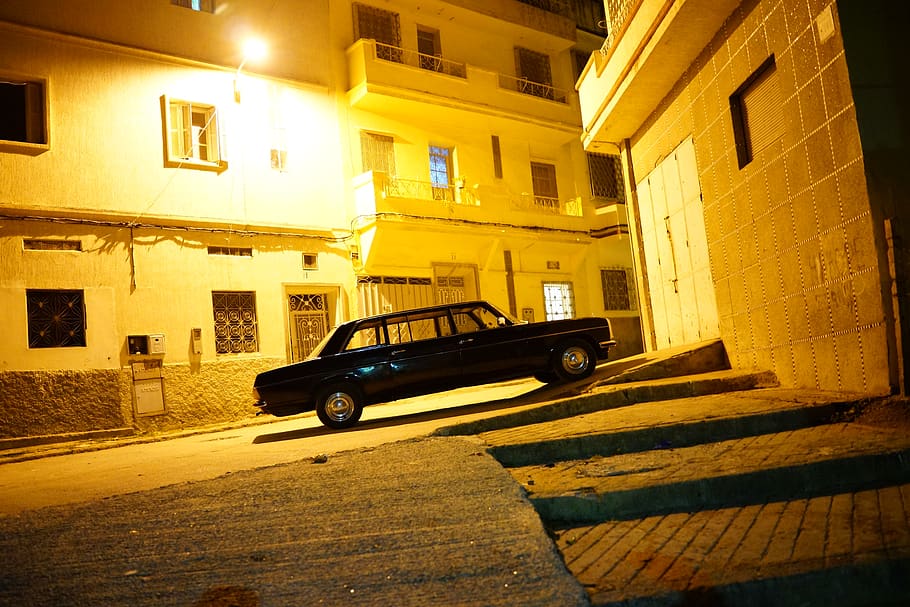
192 135
605 172
368 334
231 251
429 49
441 173
559 300
533 71
23 114
543 180
310 261
51 244
618 289
755 109
377 153
56 318
205 6
379 25
236 329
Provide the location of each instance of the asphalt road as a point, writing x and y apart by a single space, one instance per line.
249 517
94 475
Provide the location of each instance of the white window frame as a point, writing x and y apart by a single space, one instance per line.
191 135
37 116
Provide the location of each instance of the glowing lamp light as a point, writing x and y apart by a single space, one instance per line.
254 50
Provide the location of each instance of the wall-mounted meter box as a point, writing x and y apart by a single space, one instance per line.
145 345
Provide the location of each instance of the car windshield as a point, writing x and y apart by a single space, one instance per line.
318 349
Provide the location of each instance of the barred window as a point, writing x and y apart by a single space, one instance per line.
618 289
56 318
605 172
559 300
236 329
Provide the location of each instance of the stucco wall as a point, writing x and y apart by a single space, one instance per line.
792 242
38 403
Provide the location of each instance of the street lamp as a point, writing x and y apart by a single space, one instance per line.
253 50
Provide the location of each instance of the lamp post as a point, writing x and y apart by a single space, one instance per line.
253 50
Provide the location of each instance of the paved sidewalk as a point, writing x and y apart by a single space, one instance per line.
764 497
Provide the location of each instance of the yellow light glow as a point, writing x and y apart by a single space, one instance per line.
254 49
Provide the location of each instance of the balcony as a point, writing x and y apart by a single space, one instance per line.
457 220
417 88
651 44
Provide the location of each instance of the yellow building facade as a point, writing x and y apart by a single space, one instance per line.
176 216
764 144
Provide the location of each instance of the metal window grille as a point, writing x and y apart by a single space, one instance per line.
236 328
559 300
56 318
379 25
617 289
533 70
377 152
605 172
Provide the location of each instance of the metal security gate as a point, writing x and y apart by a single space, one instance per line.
383 294
676 251
309 322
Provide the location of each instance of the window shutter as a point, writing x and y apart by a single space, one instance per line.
761 104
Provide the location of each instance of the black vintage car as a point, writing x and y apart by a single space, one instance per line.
402 354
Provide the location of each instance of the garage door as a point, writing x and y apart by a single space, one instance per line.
676 251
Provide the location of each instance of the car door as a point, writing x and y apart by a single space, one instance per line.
424 353
490 352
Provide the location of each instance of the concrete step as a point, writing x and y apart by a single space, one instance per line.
605 397
664 424
847 549
797 464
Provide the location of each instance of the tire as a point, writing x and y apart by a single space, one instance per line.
574 359
339 406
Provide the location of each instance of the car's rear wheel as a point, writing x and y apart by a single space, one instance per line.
339 406
574 359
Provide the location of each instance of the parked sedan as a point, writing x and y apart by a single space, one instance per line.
403 354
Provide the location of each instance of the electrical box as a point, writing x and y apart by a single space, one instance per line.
197 340
145 345
148 387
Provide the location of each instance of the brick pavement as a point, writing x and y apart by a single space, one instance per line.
766 497
729 552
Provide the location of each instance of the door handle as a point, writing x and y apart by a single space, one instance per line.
394 352
465 341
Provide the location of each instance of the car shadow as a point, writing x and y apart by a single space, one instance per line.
544 393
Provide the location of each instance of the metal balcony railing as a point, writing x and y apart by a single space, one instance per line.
571 207
394 187
425 62
528 87
619 13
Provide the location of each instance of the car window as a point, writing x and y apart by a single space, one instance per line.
478 318
465 322
365 336
399 331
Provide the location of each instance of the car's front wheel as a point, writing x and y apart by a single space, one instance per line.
574 359
339 406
